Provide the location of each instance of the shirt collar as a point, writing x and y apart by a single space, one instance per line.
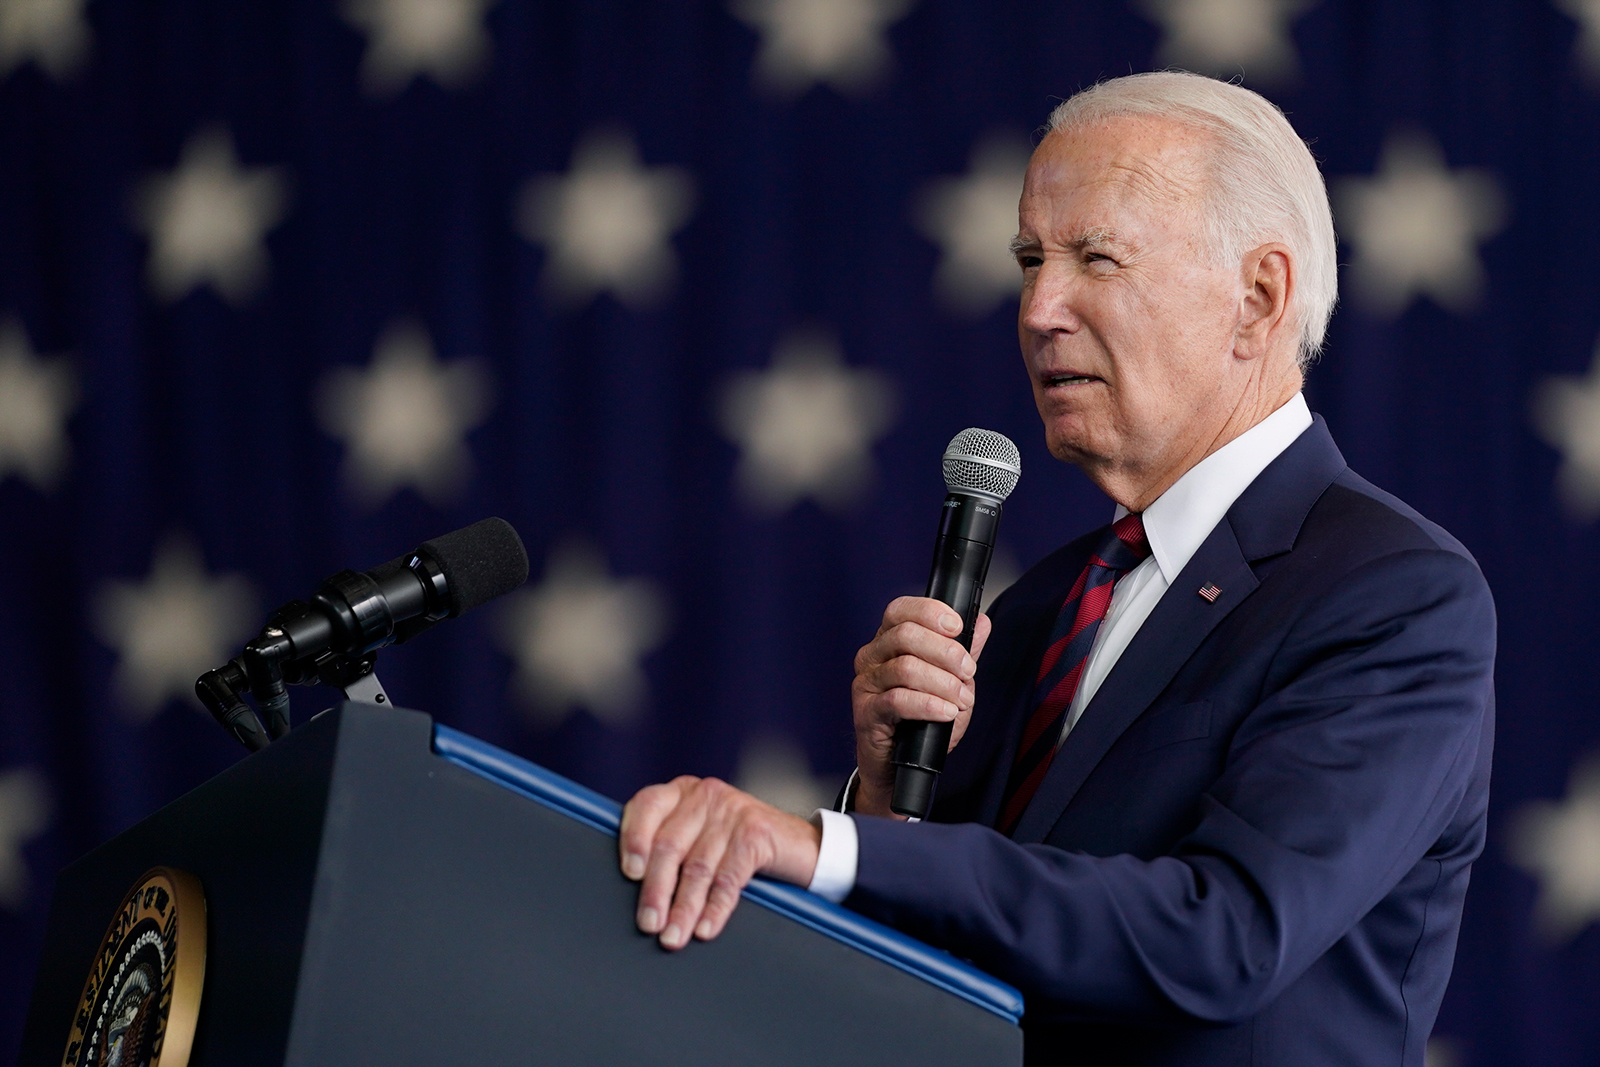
1180 520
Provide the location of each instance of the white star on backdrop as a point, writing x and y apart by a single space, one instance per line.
1587 15
36 396
408 38
24 815
803 42
1566 412
208 219
805 426
404 419
972 219
172 627
579 635
52 33
1229 36
1416 226
1440 1052
1559 844
776 770
606 222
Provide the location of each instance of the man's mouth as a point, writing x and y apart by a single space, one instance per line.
1053 380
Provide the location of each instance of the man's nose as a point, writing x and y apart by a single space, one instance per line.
1048 304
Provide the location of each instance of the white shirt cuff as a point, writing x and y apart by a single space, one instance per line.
835 875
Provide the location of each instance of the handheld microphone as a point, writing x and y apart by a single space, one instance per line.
981 469
334 637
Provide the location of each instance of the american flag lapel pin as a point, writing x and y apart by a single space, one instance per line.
1210 592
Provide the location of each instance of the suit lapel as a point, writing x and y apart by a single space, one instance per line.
1008 726
1264 521
1181 620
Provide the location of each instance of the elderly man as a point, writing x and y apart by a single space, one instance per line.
1223 770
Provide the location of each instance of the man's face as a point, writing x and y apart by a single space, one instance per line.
1126 322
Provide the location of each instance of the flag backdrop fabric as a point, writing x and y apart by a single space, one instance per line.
694 293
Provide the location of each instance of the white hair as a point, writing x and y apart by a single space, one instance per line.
1264 184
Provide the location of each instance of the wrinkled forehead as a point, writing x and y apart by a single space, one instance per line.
1145 165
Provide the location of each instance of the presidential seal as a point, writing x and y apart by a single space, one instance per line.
142 998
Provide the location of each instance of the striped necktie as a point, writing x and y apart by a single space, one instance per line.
1061 669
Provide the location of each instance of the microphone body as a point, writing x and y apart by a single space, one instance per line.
354 613
334 636
981 469
967 527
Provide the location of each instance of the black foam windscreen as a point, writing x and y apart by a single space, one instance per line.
480 562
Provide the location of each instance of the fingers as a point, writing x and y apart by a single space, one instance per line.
925 612
641 818
701 863
916 672
696 843
740 847
740 864
677 834
913 668
922 611
927 702
922 635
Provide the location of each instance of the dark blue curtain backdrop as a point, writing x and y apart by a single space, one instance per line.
694 293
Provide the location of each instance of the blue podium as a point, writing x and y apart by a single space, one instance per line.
379 889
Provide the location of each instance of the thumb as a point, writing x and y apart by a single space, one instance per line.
980 635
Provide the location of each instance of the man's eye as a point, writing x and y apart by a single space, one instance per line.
1029 262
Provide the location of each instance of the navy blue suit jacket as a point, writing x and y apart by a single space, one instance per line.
1254 846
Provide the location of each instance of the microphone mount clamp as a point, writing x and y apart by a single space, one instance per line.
264 669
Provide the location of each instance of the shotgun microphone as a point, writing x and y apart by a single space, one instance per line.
981 469
353 614
335 637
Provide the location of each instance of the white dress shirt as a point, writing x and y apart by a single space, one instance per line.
1176 523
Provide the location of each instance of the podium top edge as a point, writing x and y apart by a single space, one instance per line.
866 935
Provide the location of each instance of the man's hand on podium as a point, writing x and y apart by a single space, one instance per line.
695 842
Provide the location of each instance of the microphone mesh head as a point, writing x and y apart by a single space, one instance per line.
982 461
480 562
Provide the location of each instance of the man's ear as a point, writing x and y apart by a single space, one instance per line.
1269 279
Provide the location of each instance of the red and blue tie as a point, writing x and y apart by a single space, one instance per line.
1071 639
